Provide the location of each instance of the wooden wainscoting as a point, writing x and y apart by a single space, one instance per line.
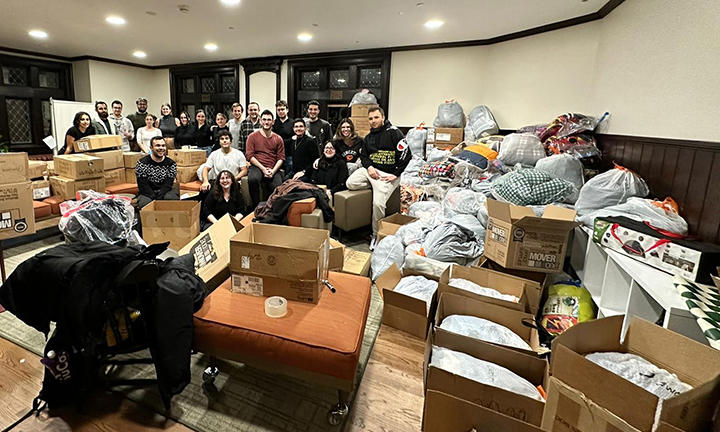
687 171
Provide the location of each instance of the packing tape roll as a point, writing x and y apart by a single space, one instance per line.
275 307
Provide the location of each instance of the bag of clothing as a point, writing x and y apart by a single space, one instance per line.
523 149
660 214
470 222
424 209
483 372
435 154
567 304
418 287
472 287
450 242
482 122
569 124
414 232
363 97
531 187
483 329
450 115
416 138
389 250
97 216
564 167
439 169
459 200
610 188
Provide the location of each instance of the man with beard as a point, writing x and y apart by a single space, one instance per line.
155 175
249 125
317 127
123 126
103 126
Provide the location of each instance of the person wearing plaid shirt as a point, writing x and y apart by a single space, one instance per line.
249 125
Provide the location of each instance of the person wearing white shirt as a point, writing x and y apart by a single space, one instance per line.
226 158
146 133
122 125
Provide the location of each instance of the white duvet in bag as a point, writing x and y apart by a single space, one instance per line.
485 330
483 372
467 285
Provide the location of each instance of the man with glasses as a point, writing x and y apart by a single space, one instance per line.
266 153
284 127
123 126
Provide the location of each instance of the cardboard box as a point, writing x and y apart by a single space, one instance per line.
536 277
356 262
79 166
514 405
189 157
362 125
187 174
130 175
403 312
444 412
17 215
41 189
51 168
130 159
14 167
390 224
518 239
175 221
693 362
36 169
453 304
360 110
336 255
269 260
569 410
112 159
489 279
67 187
97 142
114 177
445 136
211 249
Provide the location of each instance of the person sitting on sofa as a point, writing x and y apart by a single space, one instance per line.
224 198
331 171
155 175
303 150
349 145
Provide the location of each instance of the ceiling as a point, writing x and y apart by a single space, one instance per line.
259 28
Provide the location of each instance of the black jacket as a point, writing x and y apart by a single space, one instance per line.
305 152
384 152
185 135
332 174
202 136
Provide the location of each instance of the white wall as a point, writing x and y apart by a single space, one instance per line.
263 90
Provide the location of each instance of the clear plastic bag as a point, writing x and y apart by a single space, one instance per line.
97 216
414 232
424 209
564 167
523 149
482 122
422 264
641 372
641 210
610 188
435 155
460 200
363 97
418 287
450 115
483 329
388 251
569 124
483 372
450 242
416 138
467 285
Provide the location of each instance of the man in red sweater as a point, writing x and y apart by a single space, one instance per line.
266 153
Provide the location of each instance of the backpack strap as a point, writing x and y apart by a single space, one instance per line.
38 406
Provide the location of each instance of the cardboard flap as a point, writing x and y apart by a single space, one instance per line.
498 209
587 337
559 213
517 213
535 223
389 279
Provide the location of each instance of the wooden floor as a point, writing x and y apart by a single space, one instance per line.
390 397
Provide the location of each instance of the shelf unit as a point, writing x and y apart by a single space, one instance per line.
620 285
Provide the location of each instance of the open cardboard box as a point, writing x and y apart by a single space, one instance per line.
489 279
534 285
693 362
14 167
389 225
403 312
517 239
356 262
512 404
453 304
175 221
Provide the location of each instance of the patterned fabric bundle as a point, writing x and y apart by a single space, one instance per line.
439 169
531 187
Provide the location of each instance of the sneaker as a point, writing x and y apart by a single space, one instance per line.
373 242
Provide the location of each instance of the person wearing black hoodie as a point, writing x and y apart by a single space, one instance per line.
385 158
303 149
331 170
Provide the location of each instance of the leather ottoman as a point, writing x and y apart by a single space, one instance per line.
299 208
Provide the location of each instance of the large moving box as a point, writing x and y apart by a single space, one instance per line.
175 221
518 239
67 187
187 174
360 110
79 166
130 175
14 167
17 217
270 260
36 169
130 159
445 137
403 312
114 177
112 159
97 142
187 158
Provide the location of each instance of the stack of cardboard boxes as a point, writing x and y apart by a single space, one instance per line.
113 166
17 217
130 159
445 138
359 117
188 161
77 172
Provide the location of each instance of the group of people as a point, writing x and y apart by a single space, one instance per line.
267 148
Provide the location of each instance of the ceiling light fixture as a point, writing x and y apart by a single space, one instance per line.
304 37
434 24
230 3
38 34
211 46
115 20
139 54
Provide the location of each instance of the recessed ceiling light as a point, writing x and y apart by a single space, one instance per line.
433 24
211 46
139 54
304 37
115 20
230 2
38 34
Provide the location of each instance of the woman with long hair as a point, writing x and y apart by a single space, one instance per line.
202 133
167 123
81 128
331 170
144 134
349 145
224 198
185 133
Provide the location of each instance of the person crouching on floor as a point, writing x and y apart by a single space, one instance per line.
155 175
224 198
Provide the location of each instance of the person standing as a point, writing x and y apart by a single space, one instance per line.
138 118
283 126
145 133
235 123
103 126
155 175
385 160
81 128
219 127
168 124
349 145
303 151
266 153
202 133
185 133
123 125
226 158
317 127
249 125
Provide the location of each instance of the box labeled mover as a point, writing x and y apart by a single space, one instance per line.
516 238
114 177
211 249
356 262
36 169
41 189
17 217
691 259
390 224
336 256
188 157
97 142
79 166
112 159
488 279
130 175
186 174
520 407
14 167
445 136
175 221
130 159
694 363
400 311
67 187
536 277
291 262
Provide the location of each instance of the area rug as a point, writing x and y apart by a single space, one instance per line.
242 398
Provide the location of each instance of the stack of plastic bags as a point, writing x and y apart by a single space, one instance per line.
609 189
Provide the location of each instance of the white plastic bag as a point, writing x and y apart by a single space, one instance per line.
418 287
459 200
389 250
641 210
416 138
435 154
564 167
414 232
467 285
641 372
424 209
523 149
482 122
450 115
423 264
483 372
483 329
451 242
363 97
610 188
